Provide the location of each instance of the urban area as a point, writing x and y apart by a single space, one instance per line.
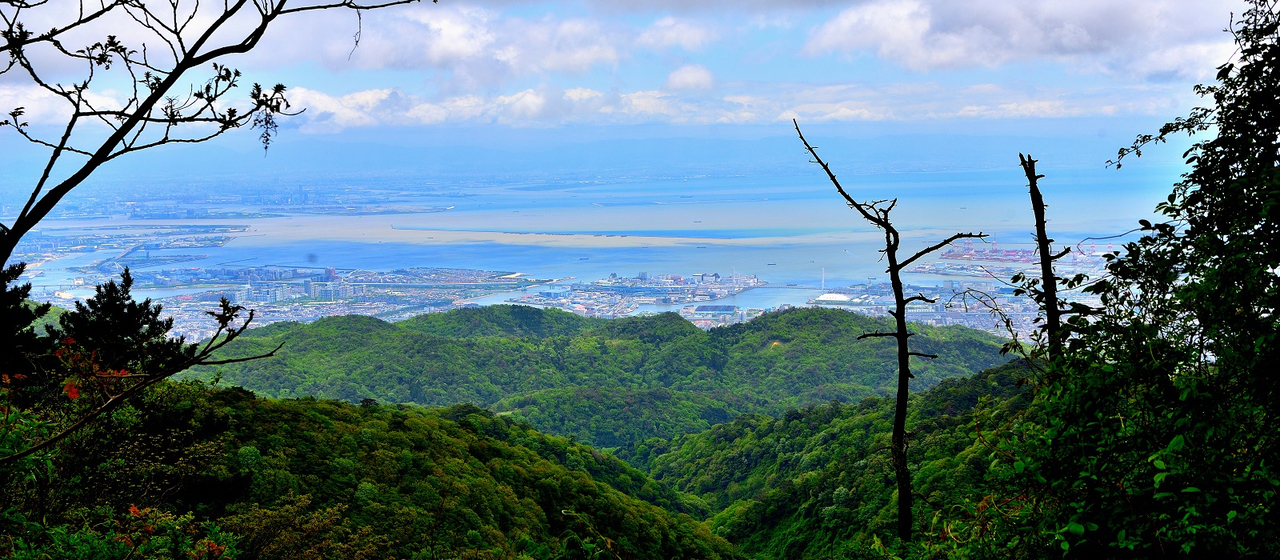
973 284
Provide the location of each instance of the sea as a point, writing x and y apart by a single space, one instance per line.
791 230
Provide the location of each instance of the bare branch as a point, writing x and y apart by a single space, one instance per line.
201 357
877 213
920 297
18 39
864 209
270 354
940 245
877 335
153 115
350 5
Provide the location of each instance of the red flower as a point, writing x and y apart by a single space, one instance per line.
72 390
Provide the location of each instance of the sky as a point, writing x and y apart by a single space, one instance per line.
524 86
625 107
541 64
515 63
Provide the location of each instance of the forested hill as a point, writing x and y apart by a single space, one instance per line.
606 382
219 473
817 482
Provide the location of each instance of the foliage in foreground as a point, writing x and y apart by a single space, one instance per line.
817 482
1163 420
321 479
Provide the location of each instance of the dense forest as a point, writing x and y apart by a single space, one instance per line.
607 383
191 469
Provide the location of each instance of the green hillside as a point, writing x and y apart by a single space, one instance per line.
324 479
816 482
609 418
517 321
558 371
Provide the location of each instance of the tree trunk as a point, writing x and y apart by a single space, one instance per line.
899 445
1048 282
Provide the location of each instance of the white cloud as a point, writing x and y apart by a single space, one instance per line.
1096 34
466 107
1051 108
458 38
690 76
670 32
41 107
824 112
1198 61
550 106
581 94
649 103
523 106
325 113
663 6
467 47
427 113
572 46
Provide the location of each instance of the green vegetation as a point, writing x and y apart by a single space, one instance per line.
1152 433
324 479
817 482
1160 432
610 418
608 383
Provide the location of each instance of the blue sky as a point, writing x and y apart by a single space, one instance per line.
522 64
927 100
741 66
893 84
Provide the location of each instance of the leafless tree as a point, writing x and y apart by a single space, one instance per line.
143 74
165 56
1047 293
877 213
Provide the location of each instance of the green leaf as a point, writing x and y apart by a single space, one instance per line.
1159 478
1075 529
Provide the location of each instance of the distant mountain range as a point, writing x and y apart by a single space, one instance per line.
606 383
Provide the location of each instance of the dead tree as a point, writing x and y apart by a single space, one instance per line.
1047 293
155 50
877 213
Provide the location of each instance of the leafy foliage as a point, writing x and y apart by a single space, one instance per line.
324 479
607 383
818 483
514 321
1160 436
